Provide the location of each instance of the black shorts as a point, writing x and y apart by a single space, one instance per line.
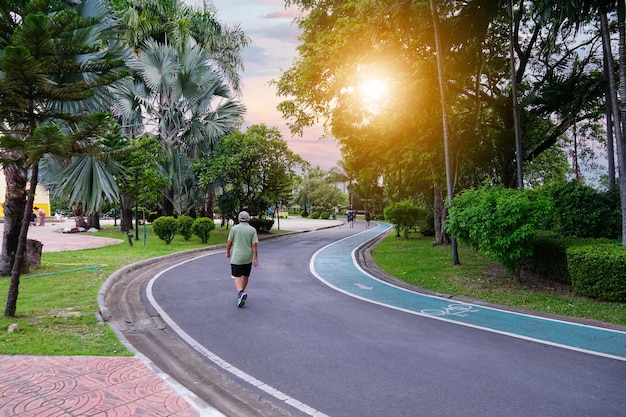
240 270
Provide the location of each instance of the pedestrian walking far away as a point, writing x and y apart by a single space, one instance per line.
242 242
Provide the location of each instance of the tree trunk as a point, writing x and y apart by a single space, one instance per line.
444 114
79 216
621 146
126 213
168 207
612 105
93 220
14 206
11 305
438 213
516 122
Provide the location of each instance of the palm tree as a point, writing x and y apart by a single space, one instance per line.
57 61
185 100
177 44
172 22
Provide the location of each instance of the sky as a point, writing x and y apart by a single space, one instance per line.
273 49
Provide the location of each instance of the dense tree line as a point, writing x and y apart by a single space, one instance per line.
558 57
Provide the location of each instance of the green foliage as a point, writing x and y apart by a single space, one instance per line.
581 211
304 213
317 190
165 228
262 225
598 271
549 257
418 262
498 222
255 167
405 216
202 227
315 215
185 224
325 215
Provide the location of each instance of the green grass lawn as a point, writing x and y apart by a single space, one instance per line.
57 303
418 262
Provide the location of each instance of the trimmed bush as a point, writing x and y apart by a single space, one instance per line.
184 226
549 257
165 228
325 215
304 213
315 215
598 271
202 228
262 225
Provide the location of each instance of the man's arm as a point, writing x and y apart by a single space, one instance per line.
229 245
255 254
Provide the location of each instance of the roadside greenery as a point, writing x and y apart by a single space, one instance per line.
58 302
499 222
418 262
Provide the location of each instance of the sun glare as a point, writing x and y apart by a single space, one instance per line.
373 90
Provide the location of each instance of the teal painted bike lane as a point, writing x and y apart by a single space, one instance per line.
336 266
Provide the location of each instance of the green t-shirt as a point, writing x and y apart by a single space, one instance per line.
243 236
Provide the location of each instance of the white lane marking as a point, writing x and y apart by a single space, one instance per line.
280 396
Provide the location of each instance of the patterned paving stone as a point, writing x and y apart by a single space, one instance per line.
51 386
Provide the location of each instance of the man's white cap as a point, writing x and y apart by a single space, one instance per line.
244 216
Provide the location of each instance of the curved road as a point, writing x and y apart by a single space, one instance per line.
307 346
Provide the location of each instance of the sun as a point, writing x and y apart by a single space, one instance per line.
373 90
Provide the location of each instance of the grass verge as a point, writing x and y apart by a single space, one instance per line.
417 261
57 303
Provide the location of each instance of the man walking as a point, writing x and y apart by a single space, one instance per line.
242 240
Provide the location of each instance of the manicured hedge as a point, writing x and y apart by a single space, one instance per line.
165 228
202 228
598 271
549 257
184 226
262 225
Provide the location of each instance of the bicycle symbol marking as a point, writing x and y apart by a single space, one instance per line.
459 310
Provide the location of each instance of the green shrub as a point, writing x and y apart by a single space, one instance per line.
325 215
549 257
304 213
315 215
165 228
598 271
405 216
184 226
202 228
498 222
262 225
581 211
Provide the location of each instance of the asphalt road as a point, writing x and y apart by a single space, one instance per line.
309 349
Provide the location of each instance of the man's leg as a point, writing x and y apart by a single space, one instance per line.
241 283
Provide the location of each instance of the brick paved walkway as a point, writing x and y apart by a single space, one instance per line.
45 386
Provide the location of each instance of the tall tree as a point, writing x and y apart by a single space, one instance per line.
191 53
254 168
56 64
